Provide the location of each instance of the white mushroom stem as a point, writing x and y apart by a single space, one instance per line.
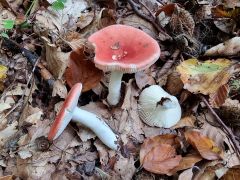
114 88
97 125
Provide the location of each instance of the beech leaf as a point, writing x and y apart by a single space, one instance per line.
81 70
205 146
204 77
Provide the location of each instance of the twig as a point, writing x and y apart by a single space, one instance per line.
24 92
169 63
228 131
147 18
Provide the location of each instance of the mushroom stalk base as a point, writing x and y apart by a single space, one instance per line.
114 88
97 125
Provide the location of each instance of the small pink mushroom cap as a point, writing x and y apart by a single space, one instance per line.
65 114
124 48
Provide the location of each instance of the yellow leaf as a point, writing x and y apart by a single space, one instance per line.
3 71
204 77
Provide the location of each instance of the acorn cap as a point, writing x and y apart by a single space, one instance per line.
66 113
124 48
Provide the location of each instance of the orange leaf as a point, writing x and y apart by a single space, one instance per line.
187 162
152 142
232 173
219 97
205 146
161 159
81 70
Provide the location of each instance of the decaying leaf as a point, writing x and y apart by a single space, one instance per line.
82 70
228 48
204 77
144 78
6 133
219 97
232 173
174 84
187 162
164 163
187 121
205 146
59 89
150 143
57 60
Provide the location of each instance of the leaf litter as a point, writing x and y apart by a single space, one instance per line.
56 40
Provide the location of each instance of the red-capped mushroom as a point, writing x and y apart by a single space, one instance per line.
70 111
122 49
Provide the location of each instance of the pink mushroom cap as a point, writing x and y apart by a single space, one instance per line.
66 113
124 48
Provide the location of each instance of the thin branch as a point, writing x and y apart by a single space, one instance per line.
147 18
168 64
227 129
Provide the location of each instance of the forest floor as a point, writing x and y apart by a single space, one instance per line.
44 51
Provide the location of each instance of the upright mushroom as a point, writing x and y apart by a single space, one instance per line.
70 111
122 49
158 108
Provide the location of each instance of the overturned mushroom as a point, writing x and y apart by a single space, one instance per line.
70 111
122 49
158 108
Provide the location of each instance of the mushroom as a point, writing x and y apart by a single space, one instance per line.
70 111
158 108
122 49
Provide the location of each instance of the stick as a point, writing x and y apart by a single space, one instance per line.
168 64
228 131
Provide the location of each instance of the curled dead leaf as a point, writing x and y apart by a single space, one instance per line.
205 146
81 70
227 48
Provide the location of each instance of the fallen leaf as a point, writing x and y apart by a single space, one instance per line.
187 162
205 146
186 175
228 48
144 78
174 84
24 154
164 163
187 121
6 133
232 173
59 89
82 70
125 168
204 77
8 177
4 106
218 98
150 143
57 60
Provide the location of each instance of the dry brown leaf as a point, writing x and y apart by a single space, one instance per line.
144 78
232 173
125 168
204 77
186 175
59 89
6 133
228 48
161 159
174 84
218 98
9 177
82 70
57 60
187 121
187 162
205 146
150 143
